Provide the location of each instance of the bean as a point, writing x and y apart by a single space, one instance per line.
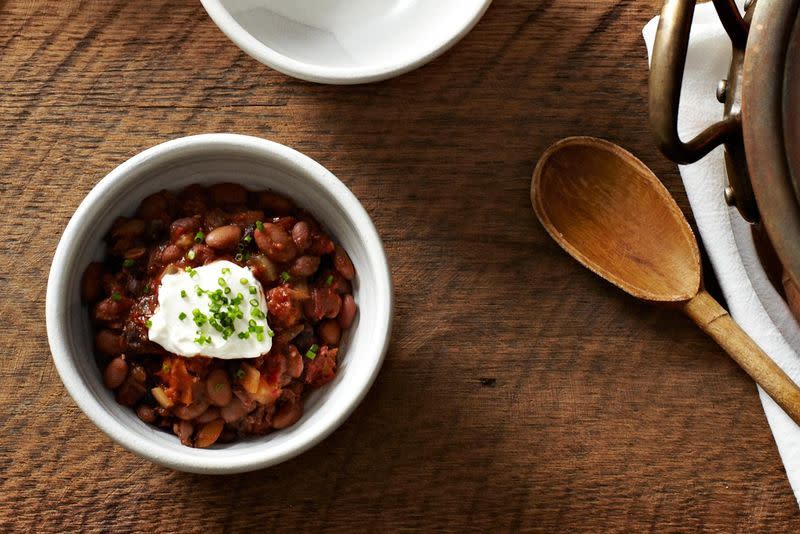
276 243
294 363
274 203
130 392
209 415
186 225
348 311
330 332
304 266
135 253
146 413
301 235
234 410
224 237
184 431
171 254
185 241
287 415
92 282
209 433
187 413
108 342
218 387
139 374
116 372
343 264
128 228
228 194
153 207
334 305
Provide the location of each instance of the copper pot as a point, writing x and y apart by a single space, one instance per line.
760 127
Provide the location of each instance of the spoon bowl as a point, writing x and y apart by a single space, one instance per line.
612 214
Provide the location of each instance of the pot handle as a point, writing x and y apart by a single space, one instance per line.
666 79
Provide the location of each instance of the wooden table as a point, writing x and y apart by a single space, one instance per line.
519 391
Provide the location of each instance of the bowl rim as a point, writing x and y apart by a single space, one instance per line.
188 460
331 75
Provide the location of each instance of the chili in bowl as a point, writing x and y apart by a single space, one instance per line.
219 303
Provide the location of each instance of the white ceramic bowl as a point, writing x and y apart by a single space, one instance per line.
345 41
256 164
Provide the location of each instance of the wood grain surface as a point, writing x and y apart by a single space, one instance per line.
519 392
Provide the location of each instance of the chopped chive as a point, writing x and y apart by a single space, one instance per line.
166 367
248 238
238 257
226 270
253 290
271 333
128 263
312 351
260 226
182 316
183 293
329 280
227 290
243 281
218 386
254 303
191 254
240 373
285 276
199 236
148 323
221 281
115 296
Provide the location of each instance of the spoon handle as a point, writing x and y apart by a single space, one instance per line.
717 323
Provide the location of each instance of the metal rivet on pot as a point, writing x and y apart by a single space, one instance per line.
722 91
730 197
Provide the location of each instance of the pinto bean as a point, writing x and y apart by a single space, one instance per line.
330 332
218 387
233 411
187 413
304 266
287 415
209 433
208 415
108 342
171 254
116 372
343 264
128 228
228 194
294 363
274 203
92 282
224 237
184 431
348 312
154 207
276 243
146 413
129 393
111 310
135 253
184 226
301 235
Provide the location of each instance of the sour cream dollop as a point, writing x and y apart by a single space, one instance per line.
217 310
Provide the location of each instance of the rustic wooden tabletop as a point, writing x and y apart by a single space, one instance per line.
519 391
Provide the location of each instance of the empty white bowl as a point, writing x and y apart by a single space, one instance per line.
345 41
256 164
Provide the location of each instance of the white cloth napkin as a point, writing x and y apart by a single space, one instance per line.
752 300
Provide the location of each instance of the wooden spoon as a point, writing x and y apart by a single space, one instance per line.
611 213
